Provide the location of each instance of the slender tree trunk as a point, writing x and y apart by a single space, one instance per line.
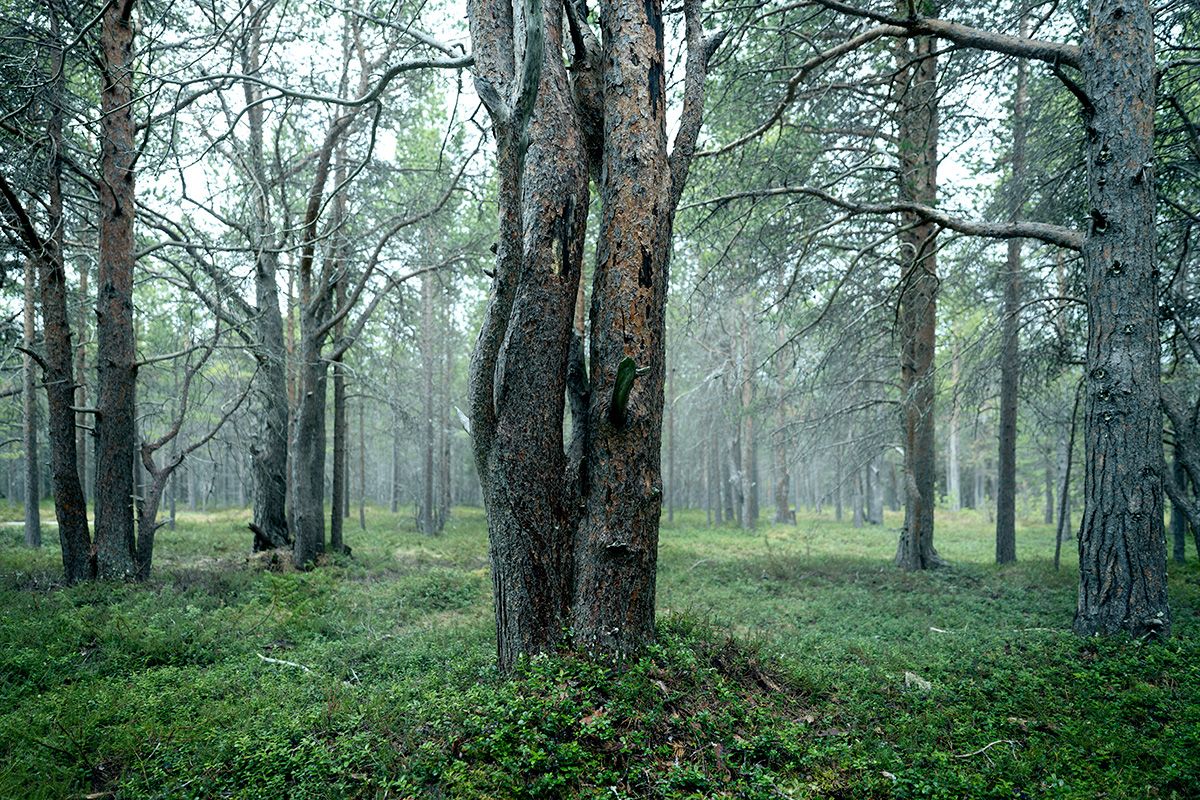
425 514
858 519
1122 558
29 415
953 468
839 480
1063 470
1010 356
339 493
670 403
394 504
874 493
1048 514
445 488
1179 522
82 421
116 365
362 469
917 130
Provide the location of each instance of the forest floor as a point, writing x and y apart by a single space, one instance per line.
791 662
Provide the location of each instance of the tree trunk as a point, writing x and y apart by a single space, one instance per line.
874 493
574 542
857 519
29 415
670 408
116 368
953 468
1122 557
339 492
518 375
746 438
269 448
783 479
1062 471
82 421
917 130
362 469
426 520
1179 522
1010 357
308 454
445 489
1048 513
394 503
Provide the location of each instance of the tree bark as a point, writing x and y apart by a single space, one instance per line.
362 468
917 130
426 516
670 409
340 490
574 541
1010 343
1179 521
308 459
953 468
82 421
269 447
116 368
1122 557
29 409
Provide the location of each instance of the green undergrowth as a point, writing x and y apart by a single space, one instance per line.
790 662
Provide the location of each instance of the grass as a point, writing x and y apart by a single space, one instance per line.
780 671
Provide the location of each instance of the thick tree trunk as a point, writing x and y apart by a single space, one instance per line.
116 368
917 129
308 455
1122 557
617 547
269 456
575 541
518 369
29 415
1010 326
269 448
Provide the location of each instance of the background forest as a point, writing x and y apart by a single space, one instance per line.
540 400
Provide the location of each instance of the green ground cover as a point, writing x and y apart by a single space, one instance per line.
779 672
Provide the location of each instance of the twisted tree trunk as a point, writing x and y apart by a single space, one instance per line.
574 541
